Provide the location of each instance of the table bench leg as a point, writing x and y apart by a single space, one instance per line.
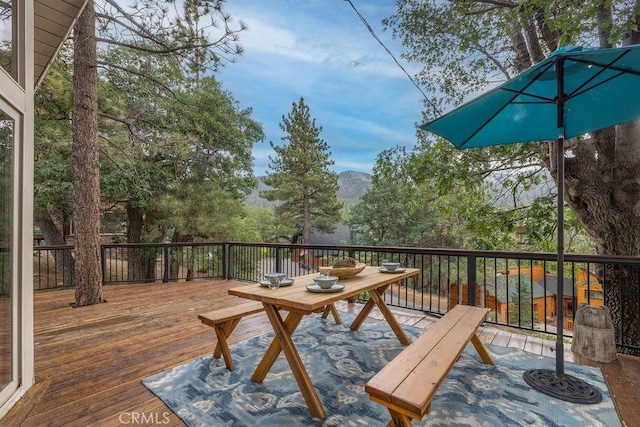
398 419
283 337
331 308
481 349
223 331
377 298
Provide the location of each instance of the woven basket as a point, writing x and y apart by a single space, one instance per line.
344 272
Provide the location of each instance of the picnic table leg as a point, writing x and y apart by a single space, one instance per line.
361 317
377 295
331 308
377 299
481 349
290 323
283 335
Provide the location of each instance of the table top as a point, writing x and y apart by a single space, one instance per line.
297 297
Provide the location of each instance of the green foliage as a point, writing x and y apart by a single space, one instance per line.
195 212
300 178
221 137
268 226
466 47
521 305
476 198
186 145
387 216
53 174
167 149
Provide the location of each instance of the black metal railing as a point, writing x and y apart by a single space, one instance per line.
519 288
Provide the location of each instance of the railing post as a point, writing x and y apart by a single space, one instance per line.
224 261
230 267
103 261
278 260
471 280
167 267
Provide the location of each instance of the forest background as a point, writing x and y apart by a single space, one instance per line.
174 148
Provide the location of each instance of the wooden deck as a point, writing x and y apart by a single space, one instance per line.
90 360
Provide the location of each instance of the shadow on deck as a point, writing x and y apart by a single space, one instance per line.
89 361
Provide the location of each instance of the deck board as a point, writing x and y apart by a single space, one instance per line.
90 361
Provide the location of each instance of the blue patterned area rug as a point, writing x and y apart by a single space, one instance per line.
204 393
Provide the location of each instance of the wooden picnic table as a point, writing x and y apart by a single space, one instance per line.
299 302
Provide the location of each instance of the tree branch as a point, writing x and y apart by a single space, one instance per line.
141 28
145 76
605 23
633 36
505 4
114 20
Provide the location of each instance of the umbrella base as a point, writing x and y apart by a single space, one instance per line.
569 389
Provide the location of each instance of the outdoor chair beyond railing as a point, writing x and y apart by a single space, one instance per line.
407 384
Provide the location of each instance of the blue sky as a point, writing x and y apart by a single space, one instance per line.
319 49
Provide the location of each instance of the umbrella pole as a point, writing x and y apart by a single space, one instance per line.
560 262
557 384
560 249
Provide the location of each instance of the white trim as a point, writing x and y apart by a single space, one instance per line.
15 299
19 105
48 64
26 204
12 93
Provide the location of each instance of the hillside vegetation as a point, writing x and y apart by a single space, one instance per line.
352 185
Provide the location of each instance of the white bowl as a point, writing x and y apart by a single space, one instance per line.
325 282
390 266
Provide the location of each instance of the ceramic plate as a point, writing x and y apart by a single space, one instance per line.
397 270
284 282
315 288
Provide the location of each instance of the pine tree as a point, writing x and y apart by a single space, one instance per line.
521 307
300 178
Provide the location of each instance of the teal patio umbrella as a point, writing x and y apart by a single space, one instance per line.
572 92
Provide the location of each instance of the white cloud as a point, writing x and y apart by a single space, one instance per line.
294 35
320 50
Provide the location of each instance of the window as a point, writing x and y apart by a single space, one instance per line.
7 326
7 39
569 305
594 295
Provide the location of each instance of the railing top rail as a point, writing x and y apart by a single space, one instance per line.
534 256
161 245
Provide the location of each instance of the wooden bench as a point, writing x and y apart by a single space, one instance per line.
409 382
225 320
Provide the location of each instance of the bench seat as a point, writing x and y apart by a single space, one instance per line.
409 382
225 320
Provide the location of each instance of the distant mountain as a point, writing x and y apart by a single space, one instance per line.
352 185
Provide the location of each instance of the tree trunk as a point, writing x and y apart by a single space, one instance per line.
141 262
53 232
602 186
593 334
522 60
86 166
306 218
